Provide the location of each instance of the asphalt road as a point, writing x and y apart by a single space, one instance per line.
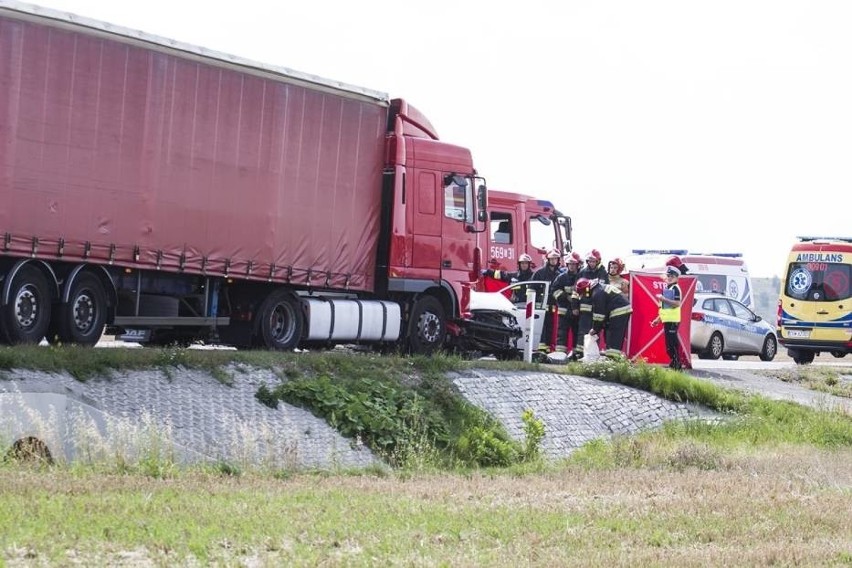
755 364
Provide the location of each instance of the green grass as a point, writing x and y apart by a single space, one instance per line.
752 513
769 484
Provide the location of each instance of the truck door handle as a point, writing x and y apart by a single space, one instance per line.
446 264
822 313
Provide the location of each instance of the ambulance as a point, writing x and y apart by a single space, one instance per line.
714 272
815 304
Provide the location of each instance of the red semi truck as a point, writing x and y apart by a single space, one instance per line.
172 193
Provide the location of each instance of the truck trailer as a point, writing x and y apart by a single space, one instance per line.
172 193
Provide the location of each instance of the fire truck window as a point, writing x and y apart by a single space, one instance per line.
501 228
542 236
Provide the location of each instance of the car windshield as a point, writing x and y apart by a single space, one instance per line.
818 281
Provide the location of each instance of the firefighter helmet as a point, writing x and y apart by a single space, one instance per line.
573 258
593 254
524 258
553 253
585 285
618 263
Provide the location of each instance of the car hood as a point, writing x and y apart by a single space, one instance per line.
493 301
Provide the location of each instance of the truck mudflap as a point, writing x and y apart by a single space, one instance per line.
489 332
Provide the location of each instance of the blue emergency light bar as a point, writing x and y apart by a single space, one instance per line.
844 239
660 251
684 252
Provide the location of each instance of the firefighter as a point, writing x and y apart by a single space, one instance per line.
548 273
594 270
615 268
582 306
610 314
524 272
563 291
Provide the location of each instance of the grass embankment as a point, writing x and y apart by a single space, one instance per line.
829 380
772 484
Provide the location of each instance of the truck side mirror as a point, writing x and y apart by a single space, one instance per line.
482 204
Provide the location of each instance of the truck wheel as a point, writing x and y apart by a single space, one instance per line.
81 320
26 317
427 326
770 348
838 354
279 322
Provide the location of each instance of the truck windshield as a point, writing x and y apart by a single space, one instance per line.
818 281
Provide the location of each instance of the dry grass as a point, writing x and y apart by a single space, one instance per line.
830 380
788 506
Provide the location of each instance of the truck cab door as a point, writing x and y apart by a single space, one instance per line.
457 219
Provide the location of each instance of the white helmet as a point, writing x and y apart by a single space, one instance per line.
525 258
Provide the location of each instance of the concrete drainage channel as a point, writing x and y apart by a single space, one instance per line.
194 418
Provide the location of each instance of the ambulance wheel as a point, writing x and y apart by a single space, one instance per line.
427 326
27 315
279 322
802 357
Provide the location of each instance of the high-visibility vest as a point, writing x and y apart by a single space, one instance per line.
671 314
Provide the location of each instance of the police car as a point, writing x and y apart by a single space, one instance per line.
724 327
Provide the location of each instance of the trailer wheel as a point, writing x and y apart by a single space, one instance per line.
279 322
81 320
27 315
427 326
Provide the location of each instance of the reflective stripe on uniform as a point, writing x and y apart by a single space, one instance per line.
624 310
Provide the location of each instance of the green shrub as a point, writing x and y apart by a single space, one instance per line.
534 432
483 446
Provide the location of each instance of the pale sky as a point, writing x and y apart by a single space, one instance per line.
721 126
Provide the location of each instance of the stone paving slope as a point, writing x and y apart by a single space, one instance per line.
207 420
573 409
203 418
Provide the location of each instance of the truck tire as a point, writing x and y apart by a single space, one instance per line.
427 326
81 320
26 317
279 322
